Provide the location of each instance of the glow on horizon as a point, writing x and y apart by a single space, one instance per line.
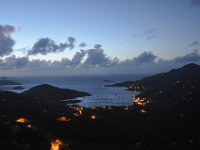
137 36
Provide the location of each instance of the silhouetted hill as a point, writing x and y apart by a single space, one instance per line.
48 92
173 125
176 88
190 72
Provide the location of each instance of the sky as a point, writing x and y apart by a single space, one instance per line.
61 37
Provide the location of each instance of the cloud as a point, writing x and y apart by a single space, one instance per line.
97 46
190 57
145 57
139 64
46 45
150 33
195 2
92 57
96 57
195 43
71 41
13 62
82 44
78 57
95 61
6 42
62 64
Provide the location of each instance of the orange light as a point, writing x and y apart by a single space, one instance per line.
143 111
93 117
79 109
141 102
63 119
22 120
56 144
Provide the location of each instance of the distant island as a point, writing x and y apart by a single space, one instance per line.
7 81
18 88
49 92
108 81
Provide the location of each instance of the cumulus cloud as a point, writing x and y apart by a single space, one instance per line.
71 41
37 64
6 42
190 57
145 57
78 57
82 44
14 62
64 63
97 57
46 45
97 46
94 60
92 57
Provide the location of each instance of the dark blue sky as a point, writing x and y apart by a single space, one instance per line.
124 28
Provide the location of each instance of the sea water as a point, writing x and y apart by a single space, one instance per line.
95 85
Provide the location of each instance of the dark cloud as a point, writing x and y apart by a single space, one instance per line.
145 57
93 61
195 43
97 46
92 57
82 44
13 62
62 64
37 65
190 57
46 45
78 57
195 2
97 57
71 41
150 33
6 42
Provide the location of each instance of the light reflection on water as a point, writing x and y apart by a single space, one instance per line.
108 96
101 95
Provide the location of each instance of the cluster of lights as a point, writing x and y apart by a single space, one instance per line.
141 101
63 119
133 87
22 120
56 144
93 117
79 111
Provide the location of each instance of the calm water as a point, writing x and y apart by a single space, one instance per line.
95 85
